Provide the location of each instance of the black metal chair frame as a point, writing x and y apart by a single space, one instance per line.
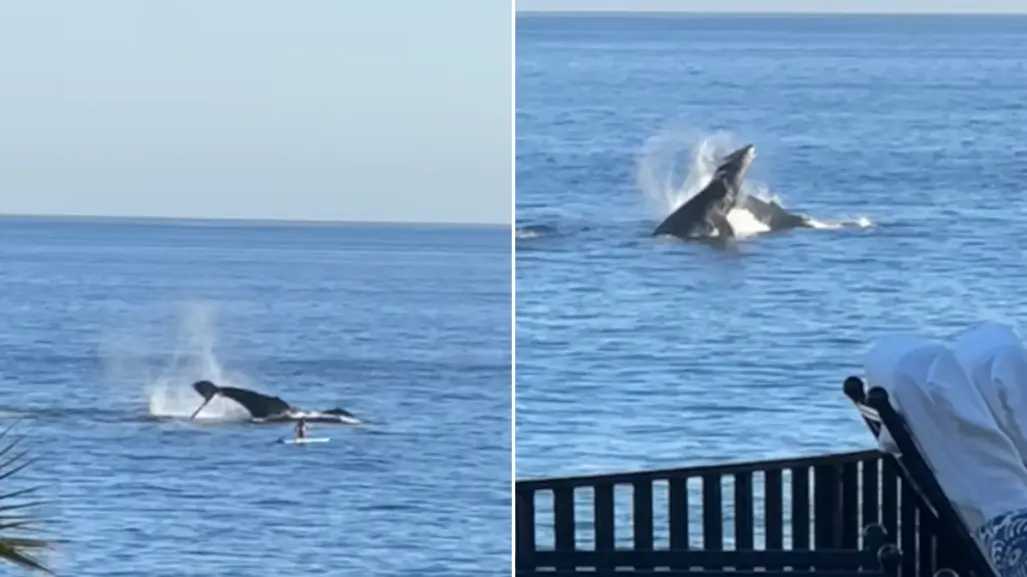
878 414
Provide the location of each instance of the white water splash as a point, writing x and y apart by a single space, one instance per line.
172 395
671 171
168 387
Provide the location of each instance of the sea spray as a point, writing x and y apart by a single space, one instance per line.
675 165
164 375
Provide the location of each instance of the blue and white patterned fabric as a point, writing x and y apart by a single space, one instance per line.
1004 539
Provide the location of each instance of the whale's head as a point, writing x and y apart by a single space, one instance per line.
734 166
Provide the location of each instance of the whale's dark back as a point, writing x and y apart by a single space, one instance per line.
259 405
690 219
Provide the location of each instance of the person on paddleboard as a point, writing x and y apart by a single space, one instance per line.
301 429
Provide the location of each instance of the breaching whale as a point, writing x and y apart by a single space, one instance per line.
268 409
705 214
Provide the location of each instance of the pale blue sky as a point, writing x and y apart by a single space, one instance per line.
852 6
383 110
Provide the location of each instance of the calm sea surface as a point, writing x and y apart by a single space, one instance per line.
636 352
108 322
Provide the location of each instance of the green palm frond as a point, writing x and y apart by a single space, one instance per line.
16 518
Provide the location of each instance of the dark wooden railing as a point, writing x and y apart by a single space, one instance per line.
877 559
817 503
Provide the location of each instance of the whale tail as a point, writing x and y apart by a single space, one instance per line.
344 416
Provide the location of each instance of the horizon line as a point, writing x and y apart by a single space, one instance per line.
240 220
689 12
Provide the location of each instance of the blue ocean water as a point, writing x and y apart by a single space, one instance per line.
636 352
108 322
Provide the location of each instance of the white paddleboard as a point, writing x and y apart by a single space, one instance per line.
305 441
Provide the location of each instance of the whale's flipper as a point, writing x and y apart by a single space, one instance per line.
259 405
208 391
721 225
772 214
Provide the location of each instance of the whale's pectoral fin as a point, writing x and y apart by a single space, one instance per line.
208 391
200 408
721 225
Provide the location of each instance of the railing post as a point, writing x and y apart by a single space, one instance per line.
563 520
525 521
773 509
744 524
712 512
604 517
827 512
678 516
800 507
642 517
849 504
